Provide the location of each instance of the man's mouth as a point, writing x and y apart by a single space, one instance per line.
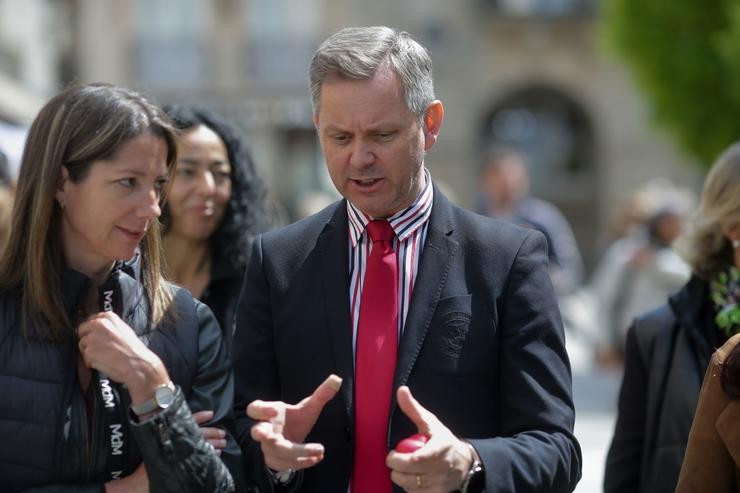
368 182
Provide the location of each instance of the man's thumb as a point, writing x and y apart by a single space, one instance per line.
323 393
415 411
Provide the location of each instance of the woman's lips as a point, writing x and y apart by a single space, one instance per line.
202 210
132 234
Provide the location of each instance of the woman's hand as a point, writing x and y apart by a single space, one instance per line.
109 345
215 436
137 482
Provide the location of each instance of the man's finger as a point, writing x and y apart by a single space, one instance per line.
283 454
422 418
323 394
263 411
262 431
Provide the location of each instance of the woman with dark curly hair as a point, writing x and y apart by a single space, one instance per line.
215 206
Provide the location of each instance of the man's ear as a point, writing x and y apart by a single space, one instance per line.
316 121
433 123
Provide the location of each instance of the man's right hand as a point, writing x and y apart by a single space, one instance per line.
282 428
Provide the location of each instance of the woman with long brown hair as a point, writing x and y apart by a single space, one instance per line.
101 361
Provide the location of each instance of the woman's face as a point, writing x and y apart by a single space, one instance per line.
201 188
106 215
731 230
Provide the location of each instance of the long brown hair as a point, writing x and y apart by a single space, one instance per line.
82 124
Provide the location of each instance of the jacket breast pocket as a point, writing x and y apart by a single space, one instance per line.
459 338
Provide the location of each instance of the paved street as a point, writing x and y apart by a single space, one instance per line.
595 392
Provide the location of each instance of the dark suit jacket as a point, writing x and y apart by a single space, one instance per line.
482 348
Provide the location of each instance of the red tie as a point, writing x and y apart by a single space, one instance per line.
375 362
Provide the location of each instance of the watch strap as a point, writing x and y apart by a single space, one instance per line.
152 404
476 469
281 477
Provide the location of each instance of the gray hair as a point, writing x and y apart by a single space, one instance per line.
358 53
704 245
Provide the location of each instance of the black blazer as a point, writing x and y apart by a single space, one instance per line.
667 353
482 348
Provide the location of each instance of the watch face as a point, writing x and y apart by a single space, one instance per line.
478 481
164 397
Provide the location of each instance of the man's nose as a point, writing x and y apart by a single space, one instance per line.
362 154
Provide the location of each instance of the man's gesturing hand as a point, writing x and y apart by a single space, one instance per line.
438 466
282 428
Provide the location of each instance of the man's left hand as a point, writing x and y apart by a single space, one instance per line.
441 464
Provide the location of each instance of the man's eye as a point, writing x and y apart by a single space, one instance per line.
340 139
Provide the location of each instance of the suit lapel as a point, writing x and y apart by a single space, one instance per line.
436 259
335 285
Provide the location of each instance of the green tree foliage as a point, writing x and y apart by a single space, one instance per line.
685 55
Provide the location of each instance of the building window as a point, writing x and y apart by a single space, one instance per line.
283 35
170 46
542 8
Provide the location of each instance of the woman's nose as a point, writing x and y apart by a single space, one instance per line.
149 208
206 183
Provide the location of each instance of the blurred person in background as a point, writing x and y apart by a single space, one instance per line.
101 360
6 176
712 461
215 206
668 349
504 183
7 185
641 269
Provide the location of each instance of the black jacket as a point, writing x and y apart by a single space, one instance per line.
44 443
222 292
666 355
482 346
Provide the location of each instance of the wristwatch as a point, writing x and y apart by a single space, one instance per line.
164 396
475 480
281 478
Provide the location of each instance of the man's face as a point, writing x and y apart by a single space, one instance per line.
373 144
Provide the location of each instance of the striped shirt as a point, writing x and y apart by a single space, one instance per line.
410 226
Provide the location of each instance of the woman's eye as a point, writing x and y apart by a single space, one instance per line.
160 185
185 171
127 182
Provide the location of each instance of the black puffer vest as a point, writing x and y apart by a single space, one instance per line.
43 432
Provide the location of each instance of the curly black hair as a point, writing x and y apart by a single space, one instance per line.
246 214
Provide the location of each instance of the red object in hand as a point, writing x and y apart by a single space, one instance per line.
412 443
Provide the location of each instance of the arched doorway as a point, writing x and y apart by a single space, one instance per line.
555 134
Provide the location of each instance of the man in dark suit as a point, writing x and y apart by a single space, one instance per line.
424 317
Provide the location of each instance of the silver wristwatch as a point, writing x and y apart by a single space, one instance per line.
164 396
282 477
